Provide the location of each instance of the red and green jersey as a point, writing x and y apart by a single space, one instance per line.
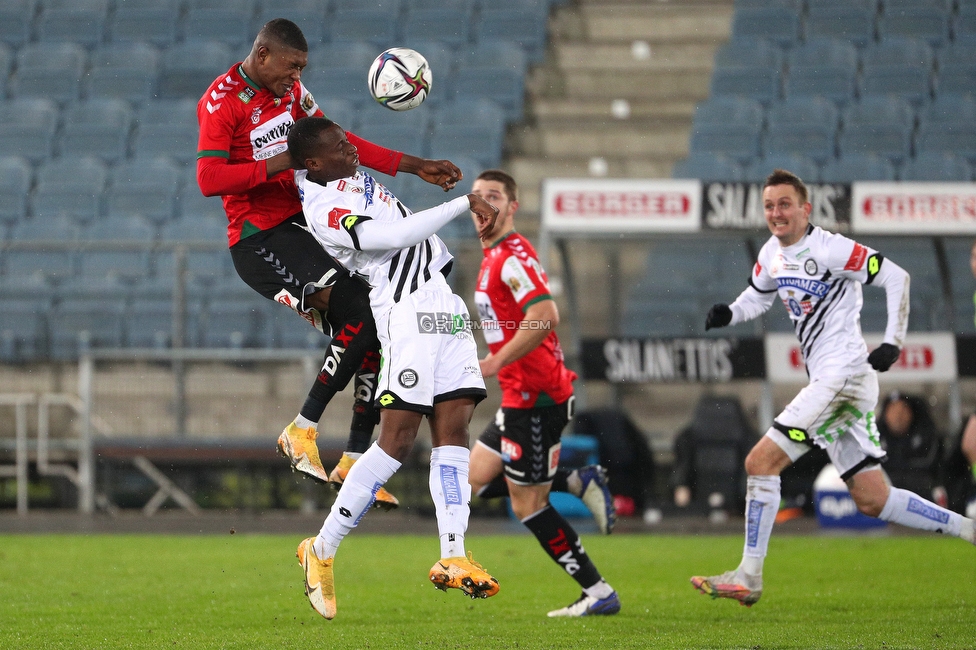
510 281
241 126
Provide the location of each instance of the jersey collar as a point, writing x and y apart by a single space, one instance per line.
250 82
500 240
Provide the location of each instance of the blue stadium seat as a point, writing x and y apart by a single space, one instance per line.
189 68
307 14
495 71
478 141
234 323
937 166
804 167
928 24
130 263
826 67
98 322
27 128
964 25
123 71
948 125
98 127
167 128
779 24
849 21
957 69
340 111
23 327
6 63
227 21
752 68
445 20
16 18
100 284
72 21
57 228
49 71
70 187
149 323
292 332
144 187
192 228
194 204
149 21
339 70
898 66
857 167
709 168
376 23
53 264
15 183
729 126
878 124
941 5
417 119
394 136
524 25
806 126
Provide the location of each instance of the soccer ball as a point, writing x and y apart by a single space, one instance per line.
400 79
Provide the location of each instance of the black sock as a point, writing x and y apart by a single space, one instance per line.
358 441
364 419
318 398
499 486
563 545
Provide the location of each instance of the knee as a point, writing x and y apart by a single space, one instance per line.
757 464
527 504
870 503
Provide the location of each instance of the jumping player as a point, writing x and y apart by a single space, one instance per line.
818 277
244 117
517 316
430 360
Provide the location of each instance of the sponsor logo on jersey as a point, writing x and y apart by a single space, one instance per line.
370 186
874 265
815 287
343 186
856 260
335 215
408 378
758 269
810 266
246 94
308 102
511 450
554 458
270 138
790 266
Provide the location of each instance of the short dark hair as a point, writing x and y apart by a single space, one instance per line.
497 175
302 137
284 32
783 177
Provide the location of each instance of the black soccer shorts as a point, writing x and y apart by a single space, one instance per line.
528 441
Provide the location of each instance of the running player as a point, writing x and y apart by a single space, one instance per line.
242 156
818 277
430 360
517 316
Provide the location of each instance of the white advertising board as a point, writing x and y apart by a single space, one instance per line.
914 208
924 357
598 205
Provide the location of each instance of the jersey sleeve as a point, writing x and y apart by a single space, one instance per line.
215 175
850 259
307 103
374 156
760 279
525 281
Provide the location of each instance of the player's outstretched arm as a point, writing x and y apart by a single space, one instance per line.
387 235
896 282
436 172
718 316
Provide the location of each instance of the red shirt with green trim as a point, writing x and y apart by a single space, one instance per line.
241 126
510 281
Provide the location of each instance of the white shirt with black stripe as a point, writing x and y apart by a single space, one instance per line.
369 231
819 280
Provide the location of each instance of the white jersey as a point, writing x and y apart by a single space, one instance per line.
819 281
334 211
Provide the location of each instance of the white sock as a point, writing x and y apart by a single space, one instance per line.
451 492
762 503
600 590
358 492
909 509
303 422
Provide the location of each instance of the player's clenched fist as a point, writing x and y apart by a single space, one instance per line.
718 316
485 213
883 356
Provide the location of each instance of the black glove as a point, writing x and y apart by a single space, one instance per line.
883 356
718 316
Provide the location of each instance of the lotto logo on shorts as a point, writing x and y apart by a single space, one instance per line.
450 486
511 450
442 322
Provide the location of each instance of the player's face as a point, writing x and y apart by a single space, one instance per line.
334 157
494 192
280 68
786 216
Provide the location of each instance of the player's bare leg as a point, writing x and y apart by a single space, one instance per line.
451 492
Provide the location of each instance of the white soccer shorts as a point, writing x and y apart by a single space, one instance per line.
429 352
836 414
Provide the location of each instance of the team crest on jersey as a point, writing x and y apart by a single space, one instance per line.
308 102
256 115
246 94
810 266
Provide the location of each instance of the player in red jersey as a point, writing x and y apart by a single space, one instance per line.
244 117
518 316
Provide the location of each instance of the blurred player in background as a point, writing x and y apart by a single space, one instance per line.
818 277
430 360
242 156
518 316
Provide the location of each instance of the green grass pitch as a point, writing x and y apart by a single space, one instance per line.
244 591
